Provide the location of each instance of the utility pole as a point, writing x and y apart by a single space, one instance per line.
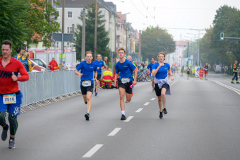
140 43
83 36
187 53
126 40
95 32
63 7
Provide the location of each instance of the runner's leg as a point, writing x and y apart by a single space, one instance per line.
89 102
163 95
121 93
160 103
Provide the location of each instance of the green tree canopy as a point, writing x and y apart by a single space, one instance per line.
102 34
155 40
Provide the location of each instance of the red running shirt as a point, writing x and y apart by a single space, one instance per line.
7 85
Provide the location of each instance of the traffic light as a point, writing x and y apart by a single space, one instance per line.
221 36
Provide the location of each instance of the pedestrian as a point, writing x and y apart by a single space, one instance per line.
100 65
149 69
206 71
17 56
235 72
26 62
107 78
105 60
125 68
201 71
188 72
88 68
53 65
10 95
162 87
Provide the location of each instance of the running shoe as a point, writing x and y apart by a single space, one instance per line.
4 134
161 115
123 117
95 94
87 116
11 143
164 110
126 102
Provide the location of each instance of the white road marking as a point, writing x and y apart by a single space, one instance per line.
153 99
114 132
93 151
147 103
228 87
173 83
128 119
139 110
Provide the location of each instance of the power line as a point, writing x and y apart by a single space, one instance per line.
140 12
149 12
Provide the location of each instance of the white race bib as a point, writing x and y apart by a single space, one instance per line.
125 80
9 98
86 83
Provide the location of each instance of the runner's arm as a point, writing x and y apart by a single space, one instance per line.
95 75
24 75
135 75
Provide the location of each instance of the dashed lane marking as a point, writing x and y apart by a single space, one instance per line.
153 99
91 152
139 110
228 87
128 119
147 103
114 132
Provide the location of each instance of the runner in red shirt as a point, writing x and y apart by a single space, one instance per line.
10 95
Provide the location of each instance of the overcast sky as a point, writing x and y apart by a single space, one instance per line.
169 14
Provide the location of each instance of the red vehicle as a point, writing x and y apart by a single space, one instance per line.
37 68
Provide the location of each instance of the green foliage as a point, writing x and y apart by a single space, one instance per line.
155 40
26 21
214 50
102 34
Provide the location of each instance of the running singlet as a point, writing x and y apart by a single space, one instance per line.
126 69
7 85
99 64
150 67
163 70
206 68
87 70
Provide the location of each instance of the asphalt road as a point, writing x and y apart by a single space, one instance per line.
202 124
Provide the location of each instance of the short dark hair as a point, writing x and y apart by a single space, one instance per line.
152 58
121 49
7 42
18 50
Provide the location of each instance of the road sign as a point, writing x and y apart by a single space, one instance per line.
67 37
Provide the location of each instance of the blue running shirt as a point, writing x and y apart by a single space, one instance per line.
163 70
126 69
99 64
150 67
87 70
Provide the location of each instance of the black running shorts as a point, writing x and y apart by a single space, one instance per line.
159 90
99 77
126 86
84 90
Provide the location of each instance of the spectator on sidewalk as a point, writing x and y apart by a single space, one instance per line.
26 62
53 65
105 60
107 78
17 56
235 72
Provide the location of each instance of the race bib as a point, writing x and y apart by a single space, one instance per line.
125 80
9 98
86 83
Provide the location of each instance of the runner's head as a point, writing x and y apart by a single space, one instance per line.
6 48
89 56
152 59
99 57
121 53
129 58
161 56
236 62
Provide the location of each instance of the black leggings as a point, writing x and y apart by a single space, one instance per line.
12 121
235 75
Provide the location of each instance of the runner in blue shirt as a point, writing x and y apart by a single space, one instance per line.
87 69
125 69
162 87
100 65
149 69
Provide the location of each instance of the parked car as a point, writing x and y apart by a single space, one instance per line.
40 62
218 69
37 67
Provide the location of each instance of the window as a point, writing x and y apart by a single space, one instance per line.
69 14
69 29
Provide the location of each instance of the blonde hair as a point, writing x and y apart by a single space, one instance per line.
22 52
88 52
162 54
27 55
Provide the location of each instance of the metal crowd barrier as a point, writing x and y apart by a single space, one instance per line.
42 87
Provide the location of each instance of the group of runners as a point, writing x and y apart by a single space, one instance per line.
89 71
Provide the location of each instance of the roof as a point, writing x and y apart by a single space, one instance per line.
82 4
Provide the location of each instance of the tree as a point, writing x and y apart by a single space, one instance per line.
155 40
102 34
27 21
